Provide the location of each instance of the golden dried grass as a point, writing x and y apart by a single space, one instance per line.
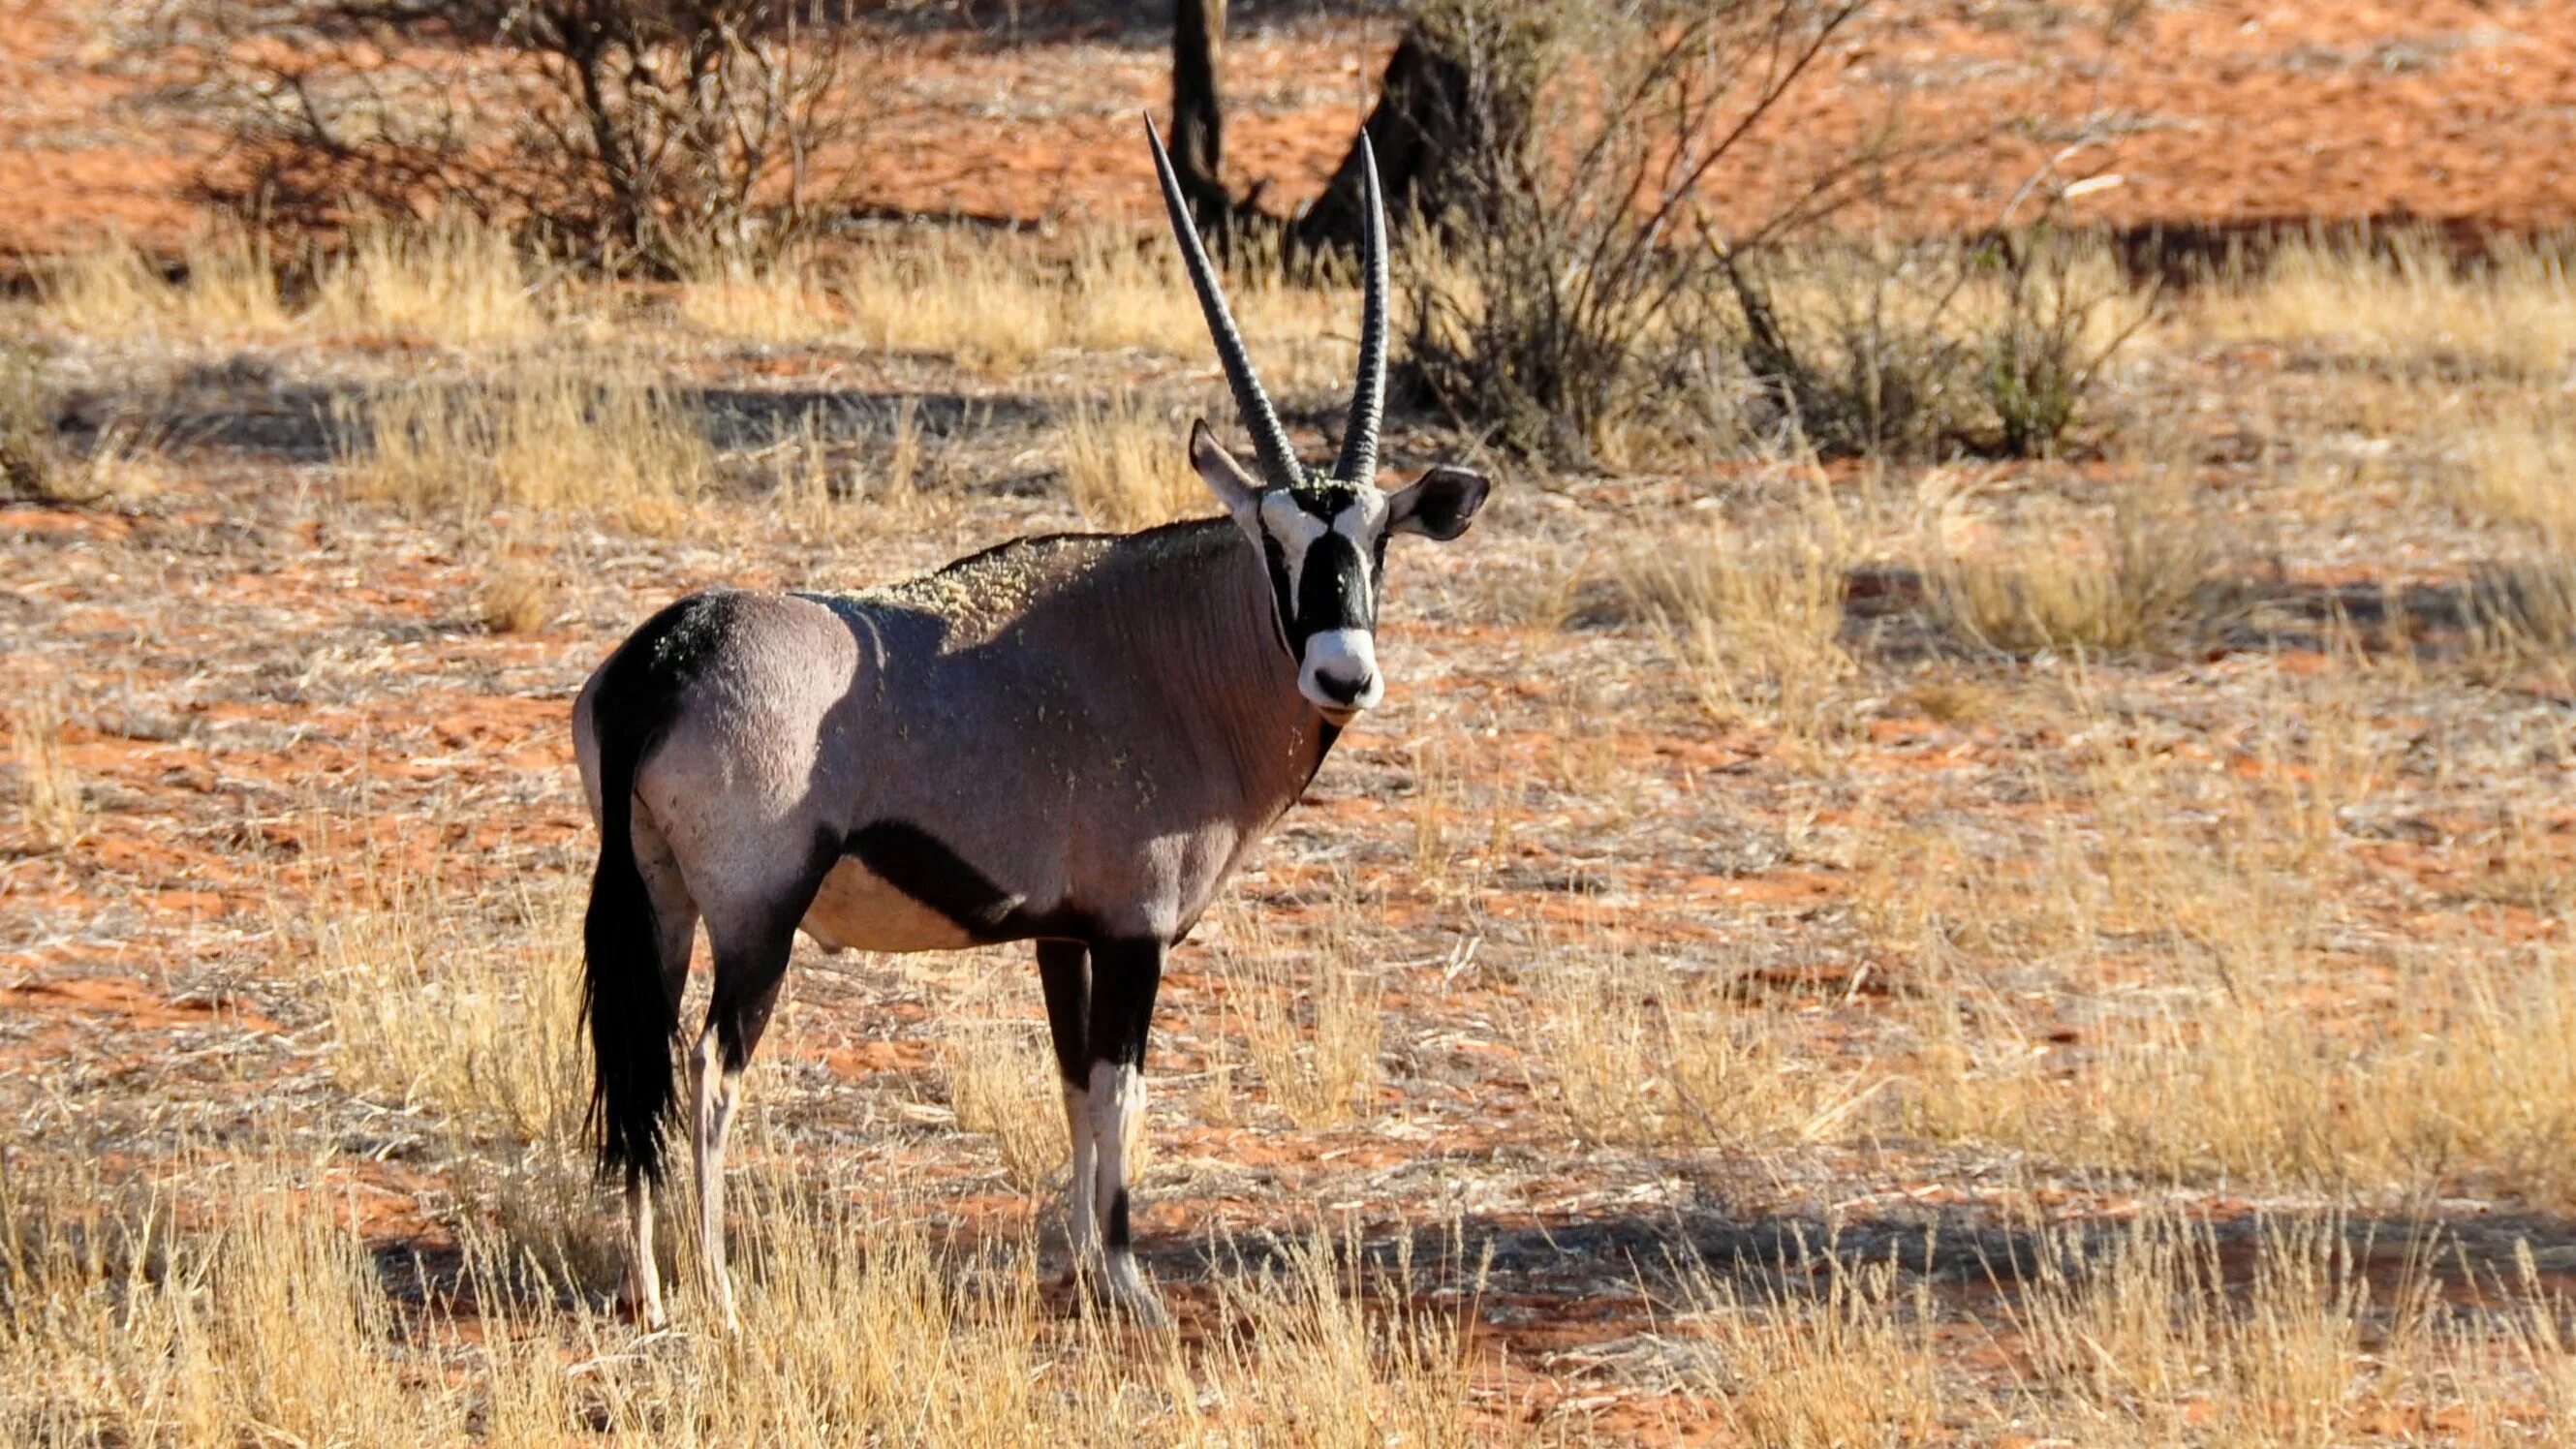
1632 1053
1127 468
551 435
50 803
1308 1011
477 1028
455 282
1755 621
223 285
1002 1084
2146 581
2404 300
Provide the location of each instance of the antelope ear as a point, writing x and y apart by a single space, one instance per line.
1440 505
1238 490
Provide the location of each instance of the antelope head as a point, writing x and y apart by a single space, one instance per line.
1323 532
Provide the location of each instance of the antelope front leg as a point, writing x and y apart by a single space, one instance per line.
1064 972
1124 978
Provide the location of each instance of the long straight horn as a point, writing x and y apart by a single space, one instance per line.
1358 463
1269 437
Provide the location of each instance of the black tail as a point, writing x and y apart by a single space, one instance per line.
634 1019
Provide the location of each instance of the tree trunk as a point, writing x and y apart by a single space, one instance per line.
1198 116
1432 127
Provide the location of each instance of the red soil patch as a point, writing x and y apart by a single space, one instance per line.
2214 114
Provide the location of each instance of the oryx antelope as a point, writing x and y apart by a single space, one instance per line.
1070 740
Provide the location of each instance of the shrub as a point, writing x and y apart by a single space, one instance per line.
675 136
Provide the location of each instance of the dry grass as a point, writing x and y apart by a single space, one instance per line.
1307 1011
224 285
2522 469
1127 468
1848 1363
265 1321
1756 622
2402 301
1002 304
2149 579
49 790
1633 1053
566 435
477 1029
516 599
789 302
1002 1084
451 282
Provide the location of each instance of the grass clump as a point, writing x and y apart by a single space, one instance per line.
1126 468
553 435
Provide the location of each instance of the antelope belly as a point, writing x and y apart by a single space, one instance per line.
857 910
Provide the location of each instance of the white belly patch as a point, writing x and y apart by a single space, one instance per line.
857 910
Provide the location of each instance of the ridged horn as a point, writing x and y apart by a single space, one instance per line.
1269 437
1358 463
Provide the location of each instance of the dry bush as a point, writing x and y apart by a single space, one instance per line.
551 435
664 136
2404 300
1598 128
1308 1012
49 790
1756 621
224 286
452 281
1126 466
1002 1079
2154 579
479 1028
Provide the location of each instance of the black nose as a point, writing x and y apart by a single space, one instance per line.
1344 688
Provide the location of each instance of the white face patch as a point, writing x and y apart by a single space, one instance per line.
1294 528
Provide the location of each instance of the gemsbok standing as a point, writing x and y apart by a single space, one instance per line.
1071 740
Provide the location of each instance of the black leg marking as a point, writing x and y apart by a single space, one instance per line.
1064 974
1124 977
749 968
1118 1236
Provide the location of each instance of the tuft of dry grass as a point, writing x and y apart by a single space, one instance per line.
1847 1362
1633 1053
788 302
223 285
1308 1012
1000 1077
1756 622
49 790
516 598
2522 470
2147 581
451 281
1002 303
478 1028
2403 300
1127 468
555 435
